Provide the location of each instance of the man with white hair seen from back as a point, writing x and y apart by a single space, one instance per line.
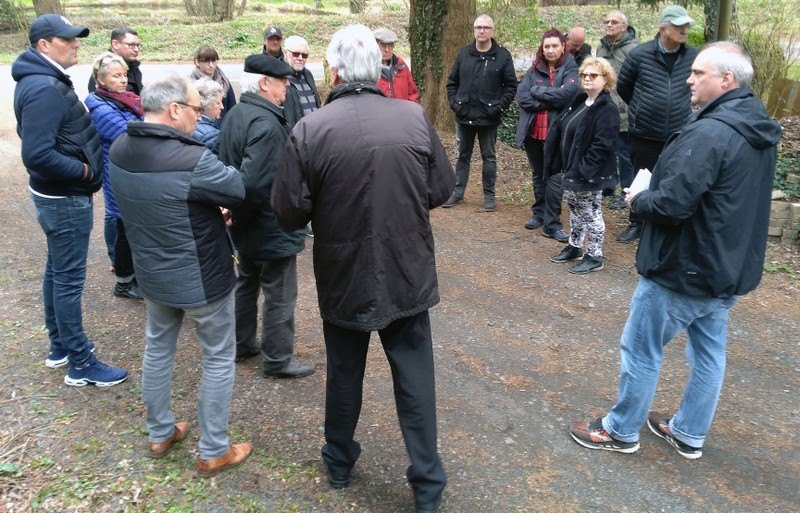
368 192
703 241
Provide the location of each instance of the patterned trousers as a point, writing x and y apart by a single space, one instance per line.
586 219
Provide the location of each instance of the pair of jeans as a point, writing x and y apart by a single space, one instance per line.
548 191
408 346
644 155
214 324
625 166
465 140
657 316
66 223
278 280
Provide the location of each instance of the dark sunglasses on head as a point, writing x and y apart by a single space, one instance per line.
297 55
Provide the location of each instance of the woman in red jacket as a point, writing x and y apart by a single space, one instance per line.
396 80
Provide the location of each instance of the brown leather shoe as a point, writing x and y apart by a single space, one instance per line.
233 456
159 449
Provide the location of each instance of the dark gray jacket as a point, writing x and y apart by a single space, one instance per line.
169 188
367 191
658 97
251 140
616 53
707 210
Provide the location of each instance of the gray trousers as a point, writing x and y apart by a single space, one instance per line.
214 326
278 280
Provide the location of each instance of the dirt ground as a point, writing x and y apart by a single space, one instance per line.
522 348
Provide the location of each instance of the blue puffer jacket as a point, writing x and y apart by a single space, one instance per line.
207 132
57 134
111 120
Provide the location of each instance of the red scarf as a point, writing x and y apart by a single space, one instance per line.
127 99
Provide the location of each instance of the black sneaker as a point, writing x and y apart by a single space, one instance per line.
618 204
453 200
559 235
248 353
294 369
659 425
567 254
533 223
127 290
592 436
587 264
489 204
630 234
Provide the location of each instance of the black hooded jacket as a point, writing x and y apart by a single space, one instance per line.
707 210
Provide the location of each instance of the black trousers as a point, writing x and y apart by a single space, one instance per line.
547 192
644 155
408 347
123 260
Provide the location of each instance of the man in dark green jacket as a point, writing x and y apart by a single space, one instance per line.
251 140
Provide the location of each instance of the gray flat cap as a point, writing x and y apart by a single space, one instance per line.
384 35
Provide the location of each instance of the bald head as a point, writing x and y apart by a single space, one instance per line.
575 39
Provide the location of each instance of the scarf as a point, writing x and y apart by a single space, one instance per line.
127 99
218 77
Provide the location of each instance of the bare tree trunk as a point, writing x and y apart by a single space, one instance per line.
47 7
437 31
357 6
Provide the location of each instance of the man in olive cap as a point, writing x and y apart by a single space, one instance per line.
62 154
251 140
273 37
652 81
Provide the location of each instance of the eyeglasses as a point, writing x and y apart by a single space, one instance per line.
611 22
195 108
483 27
298 55
132 45
591 76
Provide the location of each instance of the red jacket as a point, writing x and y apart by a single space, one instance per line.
402 86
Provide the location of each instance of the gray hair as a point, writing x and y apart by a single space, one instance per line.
292 42
157 95
620 14
354 53
209 91
249 82
730 57
103 63
484 17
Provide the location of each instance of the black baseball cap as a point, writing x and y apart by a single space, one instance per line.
48 25
274 31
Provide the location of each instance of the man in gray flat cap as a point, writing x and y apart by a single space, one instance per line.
251 140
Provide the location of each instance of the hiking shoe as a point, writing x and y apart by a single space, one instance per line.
453 200
97 373
60 357
533 223
294 369
127 290
659 425
489 204
244 355
630 234
593 436
559 235
587 264
567 254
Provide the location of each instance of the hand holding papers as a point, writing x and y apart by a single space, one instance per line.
640 183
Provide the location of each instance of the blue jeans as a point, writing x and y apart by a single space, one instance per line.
67 223
657 316
623 148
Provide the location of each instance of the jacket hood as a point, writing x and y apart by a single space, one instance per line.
31 62
629 36
147 129
743 112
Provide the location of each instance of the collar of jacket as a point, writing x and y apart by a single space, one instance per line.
353 88
681 49
131 64
629 36
258 101
473 49
145 129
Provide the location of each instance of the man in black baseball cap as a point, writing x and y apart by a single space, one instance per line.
62 154
251 140
273 37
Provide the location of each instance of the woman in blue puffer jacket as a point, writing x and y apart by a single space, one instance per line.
111 107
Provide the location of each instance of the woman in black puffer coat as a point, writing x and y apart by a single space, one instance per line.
581 145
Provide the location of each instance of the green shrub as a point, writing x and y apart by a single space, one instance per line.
697 37
507 131
12 16
787 164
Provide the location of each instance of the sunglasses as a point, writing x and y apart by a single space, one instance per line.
591 76
298 55
483 27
